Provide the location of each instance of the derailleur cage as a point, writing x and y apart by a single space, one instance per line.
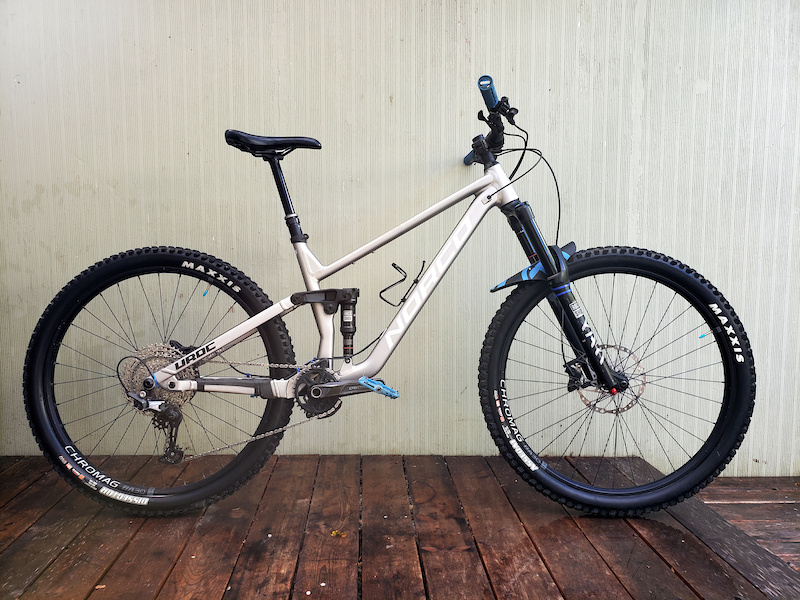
168 419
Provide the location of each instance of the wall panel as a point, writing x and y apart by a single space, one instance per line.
673 126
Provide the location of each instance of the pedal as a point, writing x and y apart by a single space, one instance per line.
379 386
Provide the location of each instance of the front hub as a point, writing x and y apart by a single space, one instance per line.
627 390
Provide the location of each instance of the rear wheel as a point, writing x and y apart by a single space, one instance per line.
104 333
686 407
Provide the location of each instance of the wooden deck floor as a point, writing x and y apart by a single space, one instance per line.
395 527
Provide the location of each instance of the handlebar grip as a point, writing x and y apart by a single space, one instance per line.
486 86
470 158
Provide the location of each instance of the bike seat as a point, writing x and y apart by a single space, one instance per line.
264 147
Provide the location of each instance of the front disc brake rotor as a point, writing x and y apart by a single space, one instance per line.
625 361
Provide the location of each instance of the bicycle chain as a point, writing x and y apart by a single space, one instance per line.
261 436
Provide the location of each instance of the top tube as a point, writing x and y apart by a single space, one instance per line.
494 175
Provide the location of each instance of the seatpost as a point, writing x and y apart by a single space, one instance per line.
292 220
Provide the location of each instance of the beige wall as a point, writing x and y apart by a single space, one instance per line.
671 125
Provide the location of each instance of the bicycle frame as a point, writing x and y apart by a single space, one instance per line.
492 190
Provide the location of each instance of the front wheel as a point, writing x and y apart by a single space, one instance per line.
687 403
105 333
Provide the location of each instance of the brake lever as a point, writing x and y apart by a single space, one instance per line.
505 109
512 112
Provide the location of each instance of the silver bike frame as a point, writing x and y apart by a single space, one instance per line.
492 190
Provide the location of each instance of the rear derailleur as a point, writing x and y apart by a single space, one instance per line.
168 419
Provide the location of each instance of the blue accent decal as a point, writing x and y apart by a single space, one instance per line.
562 289
377 386
531 271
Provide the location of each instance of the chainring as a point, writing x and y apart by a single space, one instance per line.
302 391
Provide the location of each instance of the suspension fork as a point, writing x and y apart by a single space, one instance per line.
567 309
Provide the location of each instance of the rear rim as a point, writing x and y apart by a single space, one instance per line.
113 328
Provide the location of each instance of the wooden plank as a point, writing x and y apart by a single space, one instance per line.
776 527
71 545
210 555
706 573
328 563
450 560
268 559
751 489
28 507
19 474
147 560
703 571
763 569
637 566
30 554
788 552
390 561
78 566
764 508
149 557
7 461
787 515
78 569
514 566
566 552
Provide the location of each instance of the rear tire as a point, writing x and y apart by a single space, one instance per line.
677 425
133 313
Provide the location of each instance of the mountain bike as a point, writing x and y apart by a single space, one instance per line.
614 380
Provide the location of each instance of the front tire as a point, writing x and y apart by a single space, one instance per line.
128 315
690 394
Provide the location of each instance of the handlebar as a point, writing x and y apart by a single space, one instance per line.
484 149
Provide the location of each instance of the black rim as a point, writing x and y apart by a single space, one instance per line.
566 450
80 388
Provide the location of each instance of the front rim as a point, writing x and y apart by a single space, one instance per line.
585 444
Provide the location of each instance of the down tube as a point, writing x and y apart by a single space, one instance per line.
427 283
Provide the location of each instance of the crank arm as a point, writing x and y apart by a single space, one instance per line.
363 385
337 388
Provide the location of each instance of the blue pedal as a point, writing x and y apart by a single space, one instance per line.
377 386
